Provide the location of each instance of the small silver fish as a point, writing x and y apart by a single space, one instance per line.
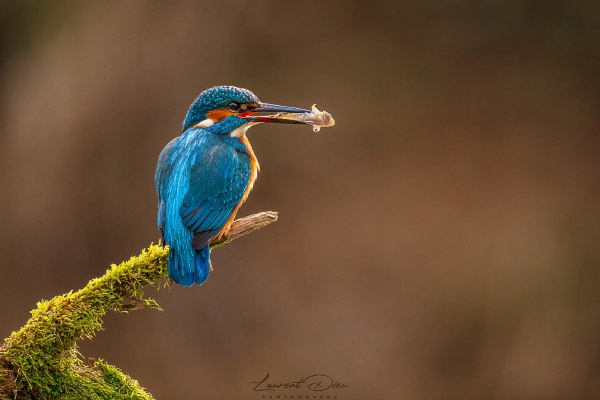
318 119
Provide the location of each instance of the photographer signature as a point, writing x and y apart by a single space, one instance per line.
316 383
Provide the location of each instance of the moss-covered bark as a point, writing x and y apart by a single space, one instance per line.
40 361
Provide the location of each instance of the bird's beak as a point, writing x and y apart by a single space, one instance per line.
273 108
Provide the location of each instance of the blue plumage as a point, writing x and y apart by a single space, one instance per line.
201 177
204 175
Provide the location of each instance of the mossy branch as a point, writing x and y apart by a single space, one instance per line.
41 361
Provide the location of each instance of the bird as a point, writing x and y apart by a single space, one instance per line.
204 175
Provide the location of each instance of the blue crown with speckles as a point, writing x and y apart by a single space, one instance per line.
215 98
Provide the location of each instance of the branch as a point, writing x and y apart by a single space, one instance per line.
241 227
41 359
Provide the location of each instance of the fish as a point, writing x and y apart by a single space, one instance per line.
318 119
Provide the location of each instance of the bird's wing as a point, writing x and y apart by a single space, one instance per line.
163 170
218 180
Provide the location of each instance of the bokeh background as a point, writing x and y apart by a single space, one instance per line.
441 241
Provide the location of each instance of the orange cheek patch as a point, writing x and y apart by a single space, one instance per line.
219 115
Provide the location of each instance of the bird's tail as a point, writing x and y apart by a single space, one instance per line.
186 272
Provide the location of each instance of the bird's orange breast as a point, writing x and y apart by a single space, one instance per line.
254 168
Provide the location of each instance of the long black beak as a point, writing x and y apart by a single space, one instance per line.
266 107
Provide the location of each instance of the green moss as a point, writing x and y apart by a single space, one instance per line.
41 360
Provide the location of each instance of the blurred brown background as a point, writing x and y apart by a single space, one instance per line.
441 241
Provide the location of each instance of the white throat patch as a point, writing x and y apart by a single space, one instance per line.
204 124
241 131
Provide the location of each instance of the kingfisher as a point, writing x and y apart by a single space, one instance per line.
205 175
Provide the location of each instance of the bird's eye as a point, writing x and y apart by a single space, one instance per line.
233 106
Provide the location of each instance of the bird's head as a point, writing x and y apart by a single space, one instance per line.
230 110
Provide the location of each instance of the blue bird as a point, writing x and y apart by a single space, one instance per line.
205 175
